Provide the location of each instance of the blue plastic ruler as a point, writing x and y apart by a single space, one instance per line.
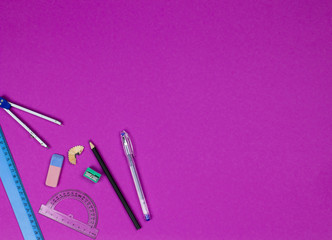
17 196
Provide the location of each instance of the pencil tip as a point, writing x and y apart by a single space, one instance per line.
91 144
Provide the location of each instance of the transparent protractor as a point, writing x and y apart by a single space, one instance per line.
80 196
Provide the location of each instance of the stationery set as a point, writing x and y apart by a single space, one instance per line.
19 199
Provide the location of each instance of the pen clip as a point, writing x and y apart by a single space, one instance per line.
126 143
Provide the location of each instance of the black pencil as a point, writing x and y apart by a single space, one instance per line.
115 186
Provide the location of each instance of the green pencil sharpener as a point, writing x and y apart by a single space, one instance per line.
92 175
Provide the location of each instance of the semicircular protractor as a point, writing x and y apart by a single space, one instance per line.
89 228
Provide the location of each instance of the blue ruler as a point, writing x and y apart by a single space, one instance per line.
17 196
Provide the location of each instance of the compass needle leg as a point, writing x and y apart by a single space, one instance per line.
26 127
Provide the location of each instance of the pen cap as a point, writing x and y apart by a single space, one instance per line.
126 143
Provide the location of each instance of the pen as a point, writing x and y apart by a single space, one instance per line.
129 152
115 186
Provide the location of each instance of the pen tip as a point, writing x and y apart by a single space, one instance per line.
91 144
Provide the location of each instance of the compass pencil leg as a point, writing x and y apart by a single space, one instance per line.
35 113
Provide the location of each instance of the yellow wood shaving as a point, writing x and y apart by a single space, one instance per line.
73 152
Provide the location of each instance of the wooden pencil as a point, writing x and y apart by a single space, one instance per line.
115 186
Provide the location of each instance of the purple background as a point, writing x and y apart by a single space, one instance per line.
228 103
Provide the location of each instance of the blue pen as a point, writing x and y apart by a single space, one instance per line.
129 152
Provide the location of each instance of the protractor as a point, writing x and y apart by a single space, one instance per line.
89 228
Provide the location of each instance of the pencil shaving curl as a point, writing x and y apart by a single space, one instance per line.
73 152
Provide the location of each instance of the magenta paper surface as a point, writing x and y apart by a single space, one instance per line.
228 104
